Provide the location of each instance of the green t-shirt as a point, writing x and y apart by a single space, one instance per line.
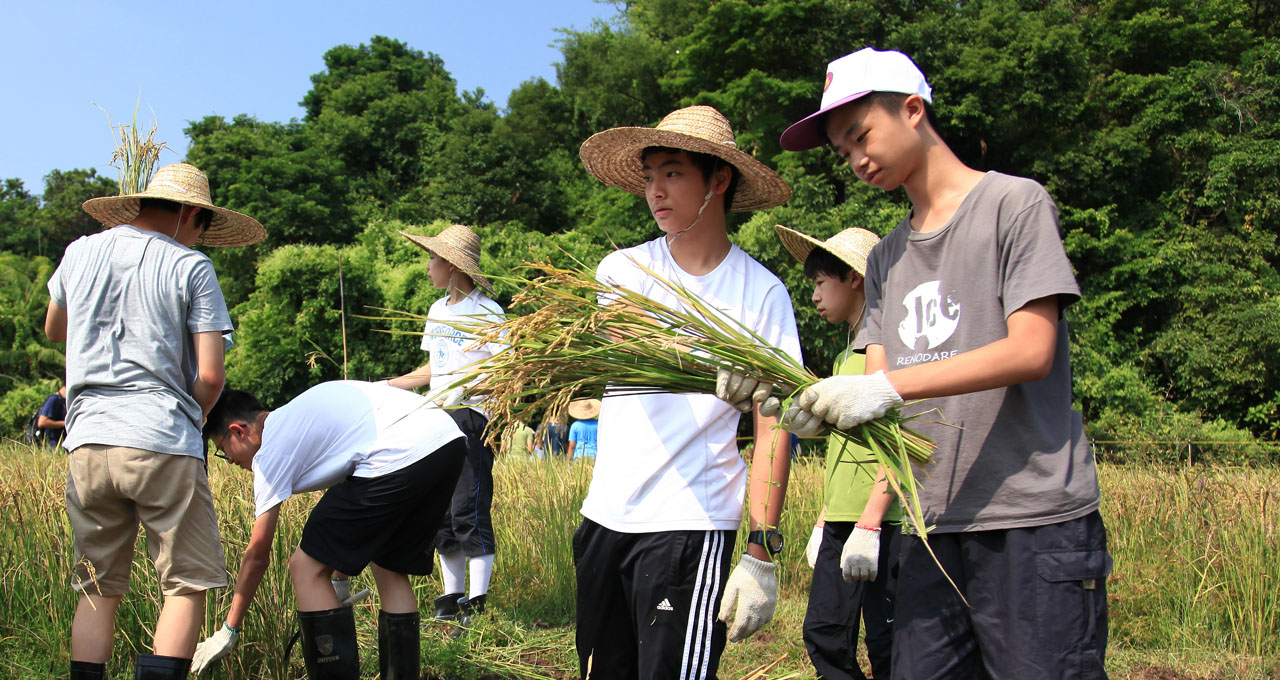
849 482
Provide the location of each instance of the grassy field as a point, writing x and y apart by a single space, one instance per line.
1195 593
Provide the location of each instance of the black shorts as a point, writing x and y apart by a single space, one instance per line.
1037 604
647 603
836 607
386 520
467 526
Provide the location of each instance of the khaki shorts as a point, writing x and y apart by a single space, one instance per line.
111 489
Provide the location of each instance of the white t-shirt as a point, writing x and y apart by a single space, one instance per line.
452 350
340 429
669 462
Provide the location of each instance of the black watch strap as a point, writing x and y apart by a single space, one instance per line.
771 540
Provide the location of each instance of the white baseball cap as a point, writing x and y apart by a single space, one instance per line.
851 77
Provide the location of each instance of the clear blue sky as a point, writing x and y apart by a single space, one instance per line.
188 60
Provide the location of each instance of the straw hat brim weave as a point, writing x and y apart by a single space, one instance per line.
584 409
455 256
852 245
613 157
228 228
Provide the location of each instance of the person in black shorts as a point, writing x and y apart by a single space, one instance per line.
390 460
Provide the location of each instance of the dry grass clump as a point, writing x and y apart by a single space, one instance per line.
135 155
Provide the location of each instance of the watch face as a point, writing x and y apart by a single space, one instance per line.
773 541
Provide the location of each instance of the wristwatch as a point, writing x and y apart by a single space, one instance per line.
771 539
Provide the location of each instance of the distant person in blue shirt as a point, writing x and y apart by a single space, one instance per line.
582 434
52 418
553 444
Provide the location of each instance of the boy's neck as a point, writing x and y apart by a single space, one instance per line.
458 294
938 186
701 249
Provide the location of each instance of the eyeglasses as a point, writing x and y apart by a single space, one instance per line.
217 451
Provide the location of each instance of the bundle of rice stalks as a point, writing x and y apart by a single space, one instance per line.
564 345
135 155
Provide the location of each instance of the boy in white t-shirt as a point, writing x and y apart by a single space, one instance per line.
660 518
466 539
389 459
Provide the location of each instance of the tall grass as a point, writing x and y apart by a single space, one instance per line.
1194 588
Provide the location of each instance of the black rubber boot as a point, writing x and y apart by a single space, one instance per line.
329 644
399 655
84 670
447 606
152 667
468 609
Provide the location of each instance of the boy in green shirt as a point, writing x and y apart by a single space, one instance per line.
849 568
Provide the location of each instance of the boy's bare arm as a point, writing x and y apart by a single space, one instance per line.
770 467
257 556
55 323
878 502
211 373
1025 355
419 377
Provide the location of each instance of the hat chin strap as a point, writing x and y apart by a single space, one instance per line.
706 200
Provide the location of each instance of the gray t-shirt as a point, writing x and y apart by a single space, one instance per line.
133 299
1008 457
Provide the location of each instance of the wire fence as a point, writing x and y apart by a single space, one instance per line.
1188 451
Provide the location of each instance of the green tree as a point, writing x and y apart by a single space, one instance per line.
61 218
19 228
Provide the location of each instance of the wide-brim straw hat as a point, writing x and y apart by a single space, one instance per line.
613 156
460 246
182 183
852 246
584 409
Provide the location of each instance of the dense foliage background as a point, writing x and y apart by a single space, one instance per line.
1155 125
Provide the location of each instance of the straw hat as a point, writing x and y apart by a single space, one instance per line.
584 409
460 247
613 156
851 245
182 183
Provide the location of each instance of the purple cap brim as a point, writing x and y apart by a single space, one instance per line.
807 133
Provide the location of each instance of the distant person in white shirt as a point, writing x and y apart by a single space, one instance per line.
389 459
466 540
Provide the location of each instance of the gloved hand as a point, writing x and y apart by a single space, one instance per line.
811 550
860 559
213 648
741 390
844 401
752 592
342 588
452 397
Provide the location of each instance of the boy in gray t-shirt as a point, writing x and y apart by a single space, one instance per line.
964 309
143 318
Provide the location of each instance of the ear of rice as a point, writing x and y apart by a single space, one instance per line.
135 155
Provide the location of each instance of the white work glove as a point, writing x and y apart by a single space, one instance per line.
752 591
811 550
860 559
743 390
215 647
842 401
452 397
342 588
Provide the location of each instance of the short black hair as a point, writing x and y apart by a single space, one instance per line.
203 218
822 261
706 162
233 406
